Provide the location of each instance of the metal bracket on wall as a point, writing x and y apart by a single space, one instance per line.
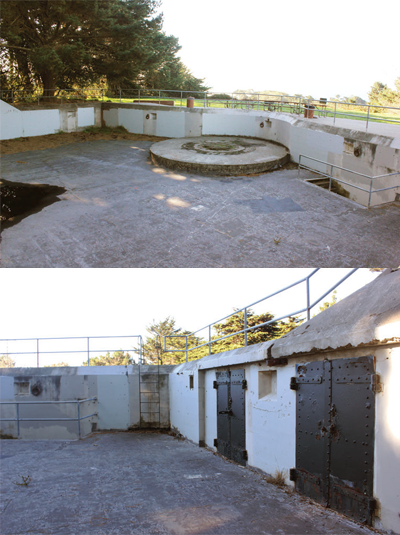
376 385
293 384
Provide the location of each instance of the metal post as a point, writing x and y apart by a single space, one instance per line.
12 95
258 101
298 169
334 114
181 98
79 419
330 178
88 352
367 118
245 326
186 348
205 99
370 192
209 339
18 420
159 96
37 352
308 298
139 96
281 102
120 96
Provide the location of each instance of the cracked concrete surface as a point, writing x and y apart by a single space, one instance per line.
122 211
143 483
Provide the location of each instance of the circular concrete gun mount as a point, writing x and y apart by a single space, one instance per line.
219 155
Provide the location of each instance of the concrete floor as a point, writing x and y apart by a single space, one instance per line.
122 211
147 483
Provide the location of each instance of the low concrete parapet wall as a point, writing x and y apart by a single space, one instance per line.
116 388
358 151
31 121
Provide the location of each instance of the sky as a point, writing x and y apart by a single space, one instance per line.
310 47
109 302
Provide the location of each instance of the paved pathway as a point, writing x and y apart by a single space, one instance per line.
147 483
122 211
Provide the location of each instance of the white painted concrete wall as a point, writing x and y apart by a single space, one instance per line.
380 155
16 123
116 389
271 420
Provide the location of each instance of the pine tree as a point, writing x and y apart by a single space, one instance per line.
59 43
118 358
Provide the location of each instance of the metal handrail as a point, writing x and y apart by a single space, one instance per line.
332 166
88 351
246 329
77 419
297 103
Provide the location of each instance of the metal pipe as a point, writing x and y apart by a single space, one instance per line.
370 193
186 348
334 114
37 352
88 353
79 419
366 128
18 420
245 326
308 298
330 178
209 339
333 287
45 402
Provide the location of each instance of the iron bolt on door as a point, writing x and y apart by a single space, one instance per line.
231 441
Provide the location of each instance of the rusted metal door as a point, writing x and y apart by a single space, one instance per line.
231 437
335 421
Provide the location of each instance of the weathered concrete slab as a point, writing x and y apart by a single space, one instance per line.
147 483
219 155
120 210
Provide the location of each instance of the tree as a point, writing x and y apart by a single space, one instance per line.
375 93
59 43
6 362
58 365
327 304
235 323
118 358
153 348
291 323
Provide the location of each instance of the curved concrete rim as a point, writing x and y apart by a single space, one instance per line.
219 155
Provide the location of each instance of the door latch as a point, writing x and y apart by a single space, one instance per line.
226 412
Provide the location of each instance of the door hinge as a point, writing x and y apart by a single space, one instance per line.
215 443
293 383
293 474
215 384
244 384
376 385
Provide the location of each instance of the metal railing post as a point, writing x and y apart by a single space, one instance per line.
258 101
181 98
209 339
245 326
12 95
281 102
120 96
366 128
159 96
88 352
298 169
205 99
79 419
186 342
308 298
330 178
370 192
18 420
37 352
334 114
139 95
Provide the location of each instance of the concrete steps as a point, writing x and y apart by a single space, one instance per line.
322 182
